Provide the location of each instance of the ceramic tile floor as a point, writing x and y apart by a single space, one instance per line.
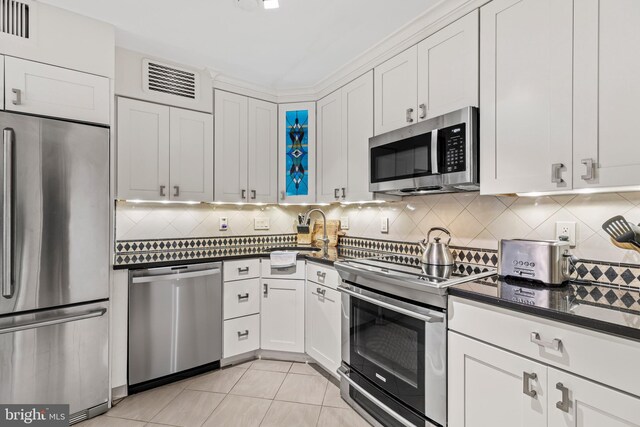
266 393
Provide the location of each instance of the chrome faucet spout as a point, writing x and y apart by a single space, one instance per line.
325 239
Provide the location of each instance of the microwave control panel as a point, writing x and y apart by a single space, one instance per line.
454 148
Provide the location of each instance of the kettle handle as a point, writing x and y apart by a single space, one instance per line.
444 230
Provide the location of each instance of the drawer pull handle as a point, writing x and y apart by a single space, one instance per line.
321 291
243 270
243 297
526 384
554 344
321 274
563 405
265 289
243 334
18 98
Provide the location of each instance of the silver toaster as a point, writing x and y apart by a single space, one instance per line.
543 261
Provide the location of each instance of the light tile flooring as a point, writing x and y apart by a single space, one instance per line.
265 393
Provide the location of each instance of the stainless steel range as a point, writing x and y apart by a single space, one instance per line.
394 329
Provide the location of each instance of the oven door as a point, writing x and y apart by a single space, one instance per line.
398 347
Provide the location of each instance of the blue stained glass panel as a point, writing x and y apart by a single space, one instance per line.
297 129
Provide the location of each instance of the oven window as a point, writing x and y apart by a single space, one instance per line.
388 348
409 158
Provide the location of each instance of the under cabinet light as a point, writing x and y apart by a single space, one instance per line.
270 4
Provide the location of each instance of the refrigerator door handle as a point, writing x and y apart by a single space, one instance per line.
53 321
7 220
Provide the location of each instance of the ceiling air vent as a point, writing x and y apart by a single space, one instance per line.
171 80
15 18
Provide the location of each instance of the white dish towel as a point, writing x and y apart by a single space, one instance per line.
282 259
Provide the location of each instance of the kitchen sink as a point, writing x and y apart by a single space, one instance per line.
299 249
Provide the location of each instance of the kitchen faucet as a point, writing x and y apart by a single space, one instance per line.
324 239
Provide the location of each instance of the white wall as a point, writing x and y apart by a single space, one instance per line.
474 221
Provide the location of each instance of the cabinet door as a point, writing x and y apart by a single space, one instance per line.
263 152
332 159
448 68
36 88
230 147
526 95
607 93
396 89
487 386
576 402
357 128
143 150
191 149
282 311
297 152
322 330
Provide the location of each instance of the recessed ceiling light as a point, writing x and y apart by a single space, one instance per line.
270 4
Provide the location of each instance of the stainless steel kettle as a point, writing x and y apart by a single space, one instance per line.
436 253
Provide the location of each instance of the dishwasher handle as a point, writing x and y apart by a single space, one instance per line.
175 276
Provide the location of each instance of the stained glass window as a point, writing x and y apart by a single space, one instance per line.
297 147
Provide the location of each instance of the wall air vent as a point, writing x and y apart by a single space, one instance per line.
170 80
15 18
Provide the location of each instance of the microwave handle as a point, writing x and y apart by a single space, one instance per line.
434 152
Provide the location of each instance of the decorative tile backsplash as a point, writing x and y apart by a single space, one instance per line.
474 221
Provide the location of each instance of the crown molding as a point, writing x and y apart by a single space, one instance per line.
441 14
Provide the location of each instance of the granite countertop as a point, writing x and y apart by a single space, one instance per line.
227 254
612 310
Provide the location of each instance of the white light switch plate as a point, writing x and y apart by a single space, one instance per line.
344 223
384 224
566 228
224 223
261 223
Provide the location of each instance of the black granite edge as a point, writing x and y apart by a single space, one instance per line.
570 319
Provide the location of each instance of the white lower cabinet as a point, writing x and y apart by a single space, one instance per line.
322 325
241 298
487 386
282 315
241 335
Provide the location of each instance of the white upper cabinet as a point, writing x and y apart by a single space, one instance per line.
246 149
488 386
448 68
526 64
263 152
35 88
143 150
607 93
396 89
345 124
191 151
164 153
332 158
231 133
297 152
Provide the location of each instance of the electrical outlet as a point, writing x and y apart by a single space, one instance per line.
384 224
261 223
344 223
224 223
568 229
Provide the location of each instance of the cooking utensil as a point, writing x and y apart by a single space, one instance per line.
621 231
436 253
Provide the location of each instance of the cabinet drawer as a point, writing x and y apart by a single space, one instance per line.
601 357
241 298
35 88
241 335
241 269
323 275
296 272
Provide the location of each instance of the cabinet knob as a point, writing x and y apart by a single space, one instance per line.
590 164
18 99
409 115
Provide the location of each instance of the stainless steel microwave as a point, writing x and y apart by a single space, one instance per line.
438 155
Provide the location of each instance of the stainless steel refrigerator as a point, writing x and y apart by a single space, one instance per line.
54 263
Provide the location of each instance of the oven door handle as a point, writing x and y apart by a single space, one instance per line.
384 304
345 376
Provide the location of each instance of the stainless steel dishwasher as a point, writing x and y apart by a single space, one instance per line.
175 323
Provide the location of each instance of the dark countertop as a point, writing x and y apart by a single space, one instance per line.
227 254
600 308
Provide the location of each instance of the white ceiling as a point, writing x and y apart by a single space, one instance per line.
295 46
